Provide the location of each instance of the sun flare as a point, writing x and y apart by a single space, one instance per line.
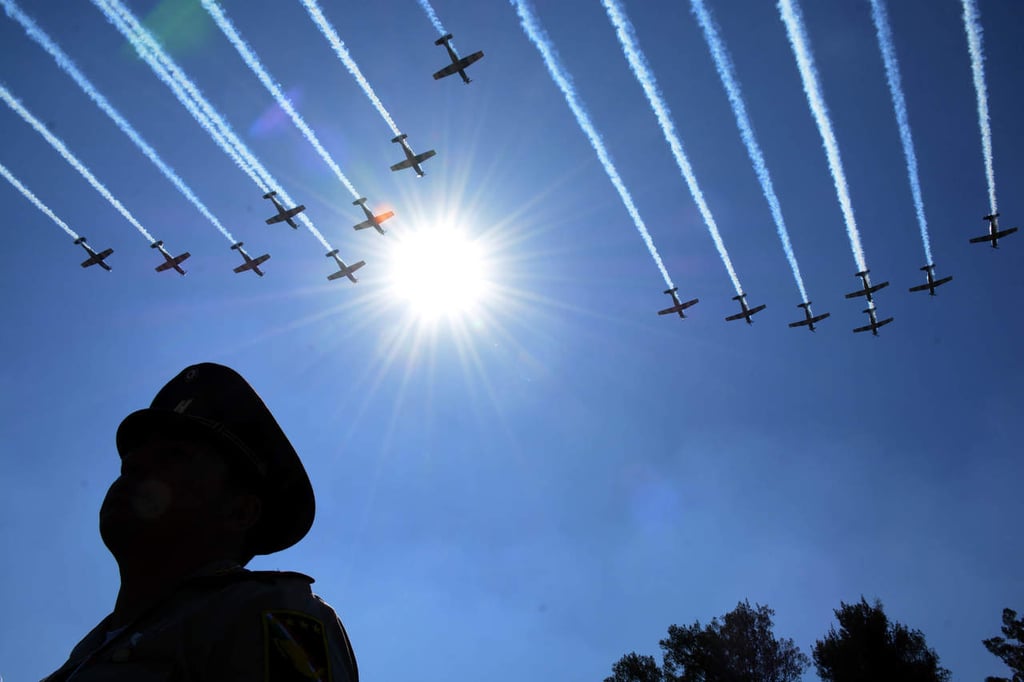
441 271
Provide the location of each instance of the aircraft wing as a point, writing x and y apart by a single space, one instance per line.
346 271
757 309
253 263
402 165
447 71
177 260
466 61
737 316
420 158
922 287
874 326
801 323
276 219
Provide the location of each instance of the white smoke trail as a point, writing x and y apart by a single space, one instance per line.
68 66
339 49
972 24
197 105
793 19
638 63
35 200
899 103
539 38
432 15
732 88
70 158
257 68
132 32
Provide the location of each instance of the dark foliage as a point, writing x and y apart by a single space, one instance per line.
635 668
868 648
1003 647
740 648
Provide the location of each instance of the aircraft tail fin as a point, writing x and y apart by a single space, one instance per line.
236 246
443 39
157 244
80 240
272 193
332 254
359 202
399 138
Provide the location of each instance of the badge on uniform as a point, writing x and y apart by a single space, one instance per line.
295 647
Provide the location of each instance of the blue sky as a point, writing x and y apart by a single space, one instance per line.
545 481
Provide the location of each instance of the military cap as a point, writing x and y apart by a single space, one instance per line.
213 403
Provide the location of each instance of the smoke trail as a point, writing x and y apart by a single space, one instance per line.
339 49
561 77
190 97
69 67
972 24
35 200
792 18
254 63
70 158
732 88
899 103
638 63
432 15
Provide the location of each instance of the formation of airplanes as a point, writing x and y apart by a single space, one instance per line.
413 160
867 290
287 215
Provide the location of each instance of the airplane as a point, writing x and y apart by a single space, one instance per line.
283 214
994 234
411 160
94 258
932 282
171 261
808 320
868 289
344 270
250 263
373 221
679 306
458 64
747 311
875 324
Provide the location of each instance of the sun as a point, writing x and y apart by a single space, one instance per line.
439 270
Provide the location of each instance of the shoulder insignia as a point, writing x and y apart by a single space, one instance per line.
294 648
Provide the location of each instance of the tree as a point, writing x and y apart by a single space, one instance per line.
1012 654
741 648
635 668
867 648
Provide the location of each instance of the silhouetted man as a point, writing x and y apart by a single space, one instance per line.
208 480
